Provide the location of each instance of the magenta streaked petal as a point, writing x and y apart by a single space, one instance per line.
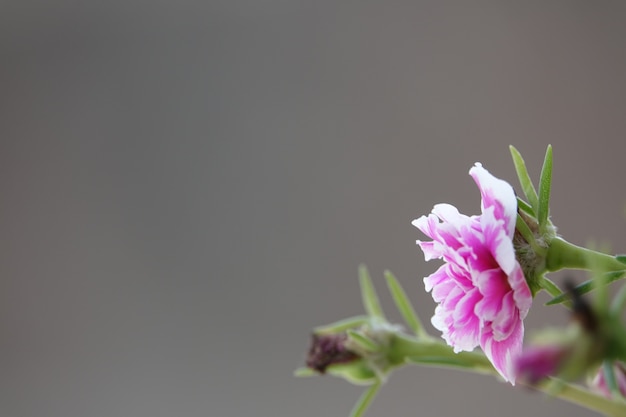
492 282
460 276
464 310
449 303
432 250
450 215
500 244
503 353
497 193
521 292
505 321
427 225
442 291
465 338
436 278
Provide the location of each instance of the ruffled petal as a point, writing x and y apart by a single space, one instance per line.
503 353
498 194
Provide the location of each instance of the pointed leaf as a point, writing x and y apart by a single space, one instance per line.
341 325
524 179
525 207
550 287
404 305
587 286
366 399
545 184
621 258
368 293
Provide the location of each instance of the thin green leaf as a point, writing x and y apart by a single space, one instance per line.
550 287
366 399
341 325
587 286
525 207
524 178
368 293
363 341
404 305
545 184
621 258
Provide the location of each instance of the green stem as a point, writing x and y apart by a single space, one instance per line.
578 395
562 254
434 352
406 348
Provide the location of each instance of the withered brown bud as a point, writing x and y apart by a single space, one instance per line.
327 350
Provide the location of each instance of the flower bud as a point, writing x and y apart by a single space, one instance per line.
537 363
327 350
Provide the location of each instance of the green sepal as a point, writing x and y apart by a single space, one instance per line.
545 184
524 179
363 341
341 325
356 372
368 294
404 305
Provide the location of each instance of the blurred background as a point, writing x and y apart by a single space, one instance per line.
189 187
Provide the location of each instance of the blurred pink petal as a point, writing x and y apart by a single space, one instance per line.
600 385
539 362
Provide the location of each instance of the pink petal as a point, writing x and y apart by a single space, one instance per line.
498 194
503 354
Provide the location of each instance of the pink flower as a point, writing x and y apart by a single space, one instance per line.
481 290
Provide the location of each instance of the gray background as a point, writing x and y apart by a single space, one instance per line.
189 187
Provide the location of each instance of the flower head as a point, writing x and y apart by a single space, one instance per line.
481 291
